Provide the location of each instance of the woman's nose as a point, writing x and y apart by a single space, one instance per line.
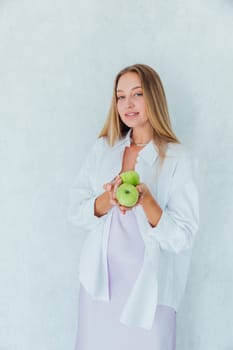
129 101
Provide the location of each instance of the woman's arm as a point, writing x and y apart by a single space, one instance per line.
82 194
149 205
178 222
102 204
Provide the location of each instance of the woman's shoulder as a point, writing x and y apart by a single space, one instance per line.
99 145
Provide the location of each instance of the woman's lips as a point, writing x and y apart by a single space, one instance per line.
131 114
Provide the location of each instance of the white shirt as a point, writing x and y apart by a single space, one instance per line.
168 246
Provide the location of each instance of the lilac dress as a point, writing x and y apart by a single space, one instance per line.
99 326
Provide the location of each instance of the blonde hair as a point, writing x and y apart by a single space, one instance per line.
156 106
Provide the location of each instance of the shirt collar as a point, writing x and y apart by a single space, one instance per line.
149 153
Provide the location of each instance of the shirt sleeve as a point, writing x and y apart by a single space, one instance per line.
179 221
82 195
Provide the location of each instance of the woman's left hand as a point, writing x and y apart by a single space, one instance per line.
144 193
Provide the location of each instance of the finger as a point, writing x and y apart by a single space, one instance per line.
141 191
117 177
113 202
125 209
115 187
107 184
117 182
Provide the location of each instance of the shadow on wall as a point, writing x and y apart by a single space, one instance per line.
228 2
182 109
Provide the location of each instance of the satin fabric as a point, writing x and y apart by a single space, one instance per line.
99 325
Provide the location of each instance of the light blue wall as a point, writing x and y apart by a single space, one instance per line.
58 60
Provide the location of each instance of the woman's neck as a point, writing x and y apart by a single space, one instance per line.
141 137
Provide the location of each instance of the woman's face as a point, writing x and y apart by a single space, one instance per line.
130 101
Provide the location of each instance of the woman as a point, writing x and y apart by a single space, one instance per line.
134 261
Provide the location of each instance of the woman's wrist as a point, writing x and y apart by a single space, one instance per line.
146 198
151 208
102 204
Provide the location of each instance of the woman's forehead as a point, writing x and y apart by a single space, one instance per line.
129 80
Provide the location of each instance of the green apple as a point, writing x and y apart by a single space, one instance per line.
130 177
127 195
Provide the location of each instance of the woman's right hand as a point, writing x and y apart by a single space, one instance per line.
111 188
107 199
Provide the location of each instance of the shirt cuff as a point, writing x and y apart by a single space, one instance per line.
170 236
84 215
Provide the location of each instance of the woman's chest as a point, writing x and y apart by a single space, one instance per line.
157 179
129 158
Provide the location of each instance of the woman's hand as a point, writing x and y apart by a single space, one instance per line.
111 188
144 193
149 205
146 200
105 201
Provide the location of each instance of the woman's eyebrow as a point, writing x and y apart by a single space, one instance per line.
136 87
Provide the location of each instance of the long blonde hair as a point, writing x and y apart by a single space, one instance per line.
156 106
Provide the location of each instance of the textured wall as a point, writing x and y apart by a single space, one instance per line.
58 60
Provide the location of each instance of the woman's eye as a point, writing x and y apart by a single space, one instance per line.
138 94
120 97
